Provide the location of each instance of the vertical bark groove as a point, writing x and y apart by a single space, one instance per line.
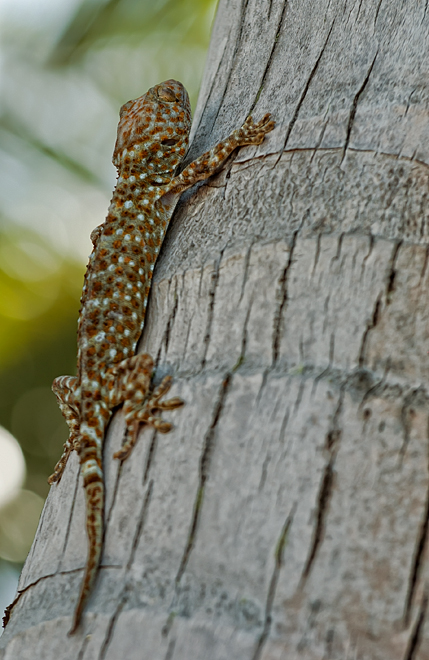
67 534
332 441
204 470
372 323
417 562
140 523
283 298
306 88
212 296
150 455
390 287
355 105
271 55
417 632
278 556
377 12
111 628
170 321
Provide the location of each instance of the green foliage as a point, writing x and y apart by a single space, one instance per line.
183 21
39 302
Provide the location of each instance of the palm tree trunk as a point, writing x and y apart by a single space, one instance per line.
287 514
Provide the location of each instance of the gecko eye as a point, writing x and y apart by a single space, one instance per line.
170 142
166 94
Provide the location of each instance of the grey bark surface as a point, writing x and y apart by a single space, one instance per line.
287 514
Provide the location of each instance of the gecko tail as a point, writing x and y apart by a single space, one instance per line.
94 495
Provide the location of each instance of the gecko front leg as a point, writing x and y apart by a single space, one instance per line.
210 162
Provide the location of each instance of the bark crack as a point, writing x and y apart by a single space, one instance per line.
210 314
150 455
66 538
329 641
237 46
371 324
263 478
319 141
425 9
115 492
244 338
261 389
305 90
359 8
332 442
140 525
271 55
417 562
425 263
124 593
339 248
390 285
329 150
299 396
170 321
188 329
368 254
208 447
170 649
245 271
83 647
377 12
354 107
413 398
283 297
9 608
111 628
317 253
417 633
279 560
332 348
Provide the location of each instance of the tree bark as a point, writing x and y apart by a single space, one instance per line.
287 514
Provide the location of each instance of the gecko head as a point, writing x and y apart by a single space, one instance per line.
153 130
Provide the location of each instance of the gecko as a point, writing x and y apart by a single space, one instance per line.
152 141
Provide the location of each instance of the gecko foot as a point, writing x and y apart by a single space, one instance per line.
69 446
251 133
143 405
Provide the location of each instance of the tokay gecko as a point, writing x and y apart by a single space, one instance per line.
151 143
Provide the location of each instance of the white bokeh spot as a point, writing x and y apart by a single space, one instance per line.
12 467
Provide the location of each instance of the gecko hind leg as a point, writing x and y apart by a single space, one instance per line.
66 390
141 403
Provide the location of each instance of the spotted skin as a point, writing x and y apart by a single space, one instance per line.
152 140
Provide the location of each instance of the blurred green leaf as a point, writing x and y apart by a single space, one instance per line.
18 130
39 303
96 21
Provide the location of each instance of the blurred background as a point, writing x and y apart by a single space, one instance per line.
66 67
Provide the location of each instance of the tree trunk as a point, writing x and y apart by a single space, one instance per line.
286 516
